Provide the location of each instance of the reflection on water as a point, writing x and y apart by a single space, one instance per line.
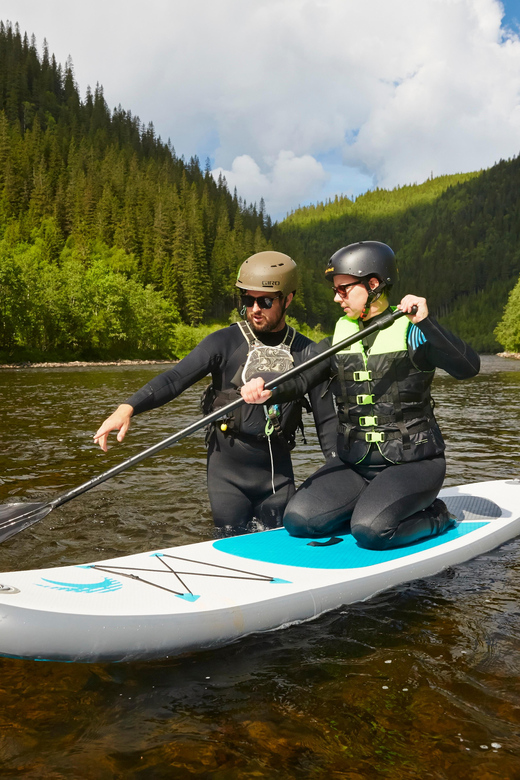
422 681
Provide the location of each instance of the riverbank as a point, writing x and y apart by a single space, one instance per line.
94 363
87 364
187 338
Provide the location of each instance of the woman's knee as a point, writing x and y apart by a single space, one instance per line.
298 523
368 536
301 520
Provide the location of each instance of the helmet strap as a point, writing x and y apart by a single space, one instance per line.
373 295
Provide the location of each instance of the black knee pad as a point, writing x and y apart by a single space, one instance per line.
368 537
298 525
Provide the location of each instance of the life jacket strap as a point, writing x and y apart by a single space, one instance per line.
373 437
415 413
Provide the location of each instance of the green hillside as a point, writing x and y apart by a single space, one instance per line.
377 202
456 240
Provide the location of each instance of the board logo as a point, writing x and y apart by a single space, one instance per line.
105 586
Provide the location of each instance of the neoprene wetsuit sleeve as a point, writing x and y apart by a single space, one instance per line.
168 385
325 418
443 349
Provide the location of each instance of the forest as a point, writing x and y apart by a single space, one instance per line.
112 246
456 239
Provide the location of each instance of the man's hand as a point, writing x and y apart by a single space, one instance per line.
412 300
253 391
119 421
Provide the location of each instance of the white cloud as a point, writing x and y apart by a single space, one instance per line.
272 88
288 178
457 108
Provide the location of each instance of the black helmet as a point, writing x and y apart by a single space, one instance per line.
364 259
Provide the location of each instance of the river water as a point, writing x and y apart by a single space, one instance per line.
422 681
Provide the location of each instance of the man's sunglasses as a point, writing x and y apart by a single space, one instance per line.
342 289
263 301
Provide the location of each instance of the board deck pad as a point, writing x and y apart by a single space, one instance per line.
472 507
278 547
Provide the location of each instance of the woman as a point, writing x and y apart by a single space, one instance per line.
390 464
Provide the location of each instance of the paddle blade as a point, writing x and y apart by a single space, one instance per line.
17 517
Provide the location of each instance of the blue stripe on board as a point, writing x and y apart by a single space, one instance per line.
278 547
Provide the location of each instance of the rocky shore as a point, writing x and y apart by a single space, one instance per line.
86 363
93 363
513 355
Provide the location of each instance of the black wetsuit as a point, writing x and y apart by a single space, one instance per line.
383 504
248 477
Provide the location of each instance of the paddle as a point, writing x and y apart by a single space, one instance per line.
17 517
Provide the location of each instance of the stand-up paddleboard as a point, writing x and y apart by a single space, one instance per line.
172 601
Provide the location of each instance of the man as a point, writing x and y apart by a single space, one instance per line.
390 462
249 466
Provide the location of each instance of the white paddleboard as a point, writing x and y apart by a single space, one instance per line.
180 599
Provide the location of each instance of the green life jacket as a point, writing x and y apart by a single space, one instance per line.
384 399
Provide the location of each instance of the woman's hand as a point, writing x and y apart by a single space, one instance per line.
253 391
118 421
412 300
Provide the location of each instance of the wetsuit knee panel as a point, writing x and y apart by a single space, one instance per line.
368 537
299 525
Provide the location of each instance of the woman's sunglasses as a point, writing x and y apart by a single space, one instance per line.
342 289
263 301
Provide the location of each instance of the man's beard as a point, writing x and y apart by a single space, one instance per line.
267 327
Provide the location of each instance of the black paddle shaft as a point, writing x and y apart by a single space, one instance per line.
16 517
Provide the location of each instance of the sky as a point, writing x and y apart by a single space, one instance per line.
296 101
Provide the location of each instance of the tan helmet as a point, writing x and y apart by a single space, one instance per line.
268 272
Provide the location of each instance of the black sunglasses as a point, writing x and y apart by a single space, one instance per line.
263 301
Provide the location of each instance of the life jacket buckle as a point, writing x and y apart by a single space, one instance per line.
362 376
374 437
366 422
363 400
